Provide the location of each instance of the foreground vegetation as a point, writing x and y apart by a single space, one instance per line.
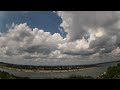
112 72
5 75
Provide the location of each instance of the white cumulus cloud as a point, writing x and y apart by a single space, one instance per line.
90 35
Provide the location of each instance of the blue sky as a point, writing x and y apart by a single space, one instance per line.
46 20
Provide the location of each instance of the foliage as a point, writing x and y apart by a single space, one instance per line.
113 72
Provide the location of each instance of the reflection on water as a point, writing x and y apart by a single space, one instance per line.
93 71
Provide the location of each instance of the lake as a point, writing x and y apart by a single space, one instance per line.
92 71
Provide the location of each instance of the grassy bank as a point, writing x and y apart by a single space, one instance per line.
5 75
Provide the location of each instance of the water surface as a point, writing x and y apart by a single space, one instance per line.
93 71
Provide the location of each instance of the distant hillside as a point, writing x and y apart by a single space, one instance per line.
68 67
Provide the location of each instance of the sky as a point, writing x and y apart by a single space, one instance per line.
46 20
59 37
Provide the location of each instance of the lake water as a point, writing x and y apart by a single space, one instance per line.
93 71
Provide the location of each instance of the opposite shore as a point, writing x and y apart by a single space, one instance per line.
31 68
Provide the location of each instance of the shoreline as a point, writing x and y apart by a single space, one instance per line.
45 69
